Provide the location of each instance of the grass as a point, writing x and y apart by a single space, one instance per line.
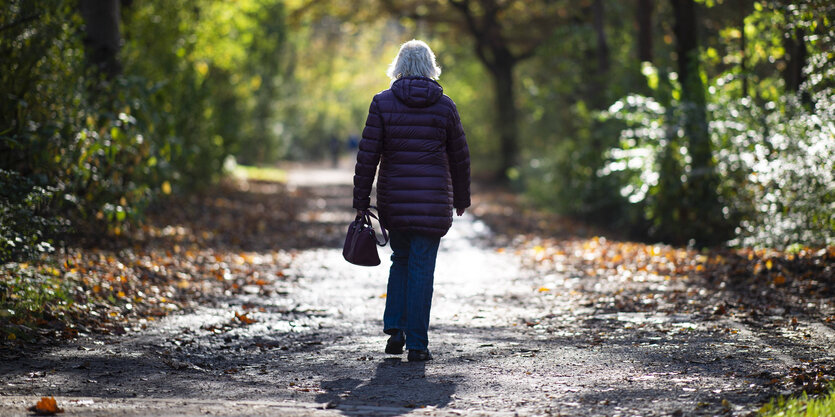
29 296
801 406
260 173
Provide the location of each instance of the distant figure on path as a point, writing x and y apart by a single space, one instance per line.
424 174
353 142
335 146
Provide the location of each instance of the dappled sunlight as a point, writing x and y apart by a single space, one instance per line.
518 320
649 224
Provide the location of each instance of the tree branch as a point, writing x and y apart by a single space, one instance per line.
295 15
529 51
478 33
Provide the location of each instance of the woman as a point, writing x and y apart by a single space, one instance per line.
425 173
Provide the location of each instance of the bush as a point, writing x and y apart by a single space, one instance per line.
778 162
92 151
775 162
25 229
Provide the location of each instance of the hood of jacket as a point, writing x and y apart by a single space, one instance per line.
417 91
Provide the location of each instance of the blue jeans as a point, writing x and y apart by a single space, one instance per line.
409 293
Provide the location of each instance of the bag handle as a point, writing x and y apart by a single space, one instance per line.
366 218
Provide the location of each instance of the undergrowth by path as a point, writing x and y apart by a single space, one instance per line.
192 250
801 406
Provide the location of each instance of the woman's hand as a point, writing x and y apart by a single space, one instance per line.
460 211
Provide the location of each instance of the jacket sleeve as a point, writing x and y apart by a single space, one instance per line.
368 156
459 161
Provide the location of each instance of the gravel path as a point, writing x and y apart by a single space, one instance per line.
501 346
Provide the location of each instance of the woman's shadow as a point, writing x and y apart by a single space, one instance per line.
395 384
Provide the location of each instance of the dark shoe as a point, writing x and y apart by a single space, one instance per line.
419 355
395 344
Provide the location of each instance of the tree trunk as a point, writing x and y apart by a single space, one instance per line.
645 8
687 46
599 30
701 212
742 51
596 81
102 39
796 60
693 91
505 121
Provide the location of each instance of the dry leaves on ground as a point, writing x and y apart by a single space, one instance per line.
47 406
237 238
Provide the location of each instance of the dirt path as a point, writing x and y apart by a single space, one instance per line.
508 339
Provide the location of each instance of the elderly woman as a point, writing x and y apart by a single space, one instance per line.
415 130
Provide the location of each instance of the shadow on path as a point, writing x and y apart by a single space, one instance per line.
554 327
391 380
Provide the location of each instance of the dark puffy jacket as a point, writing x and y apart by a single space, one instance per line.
414 132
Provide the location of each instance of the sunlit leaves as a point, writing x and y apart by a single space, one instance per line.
778 165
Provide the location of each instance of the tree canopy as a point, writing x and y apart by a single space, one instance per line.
688 121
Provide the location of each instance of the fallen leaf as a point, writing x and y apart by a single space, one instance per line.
244 319
779 279
47 406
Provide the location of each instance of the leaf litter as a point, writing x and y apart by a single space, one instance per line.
671 289
47 406
192 252
238 238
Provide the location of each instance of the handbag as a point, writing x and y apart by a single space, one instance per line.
361 242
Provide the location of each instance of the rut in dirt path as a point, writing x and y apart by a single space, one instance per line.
502 342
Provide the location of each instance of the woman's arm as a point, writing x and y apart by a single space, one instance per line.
459 162
368 157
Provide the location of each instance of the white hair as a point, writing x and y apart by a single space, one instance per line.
415 59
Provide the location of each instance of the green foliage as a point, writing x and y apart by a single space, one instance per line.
29 295
769 157
800 406
38 103
337 68
653 164
218 67
565 178
778 162
563 141
24 227
775 162
260 173
260 80
197 85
